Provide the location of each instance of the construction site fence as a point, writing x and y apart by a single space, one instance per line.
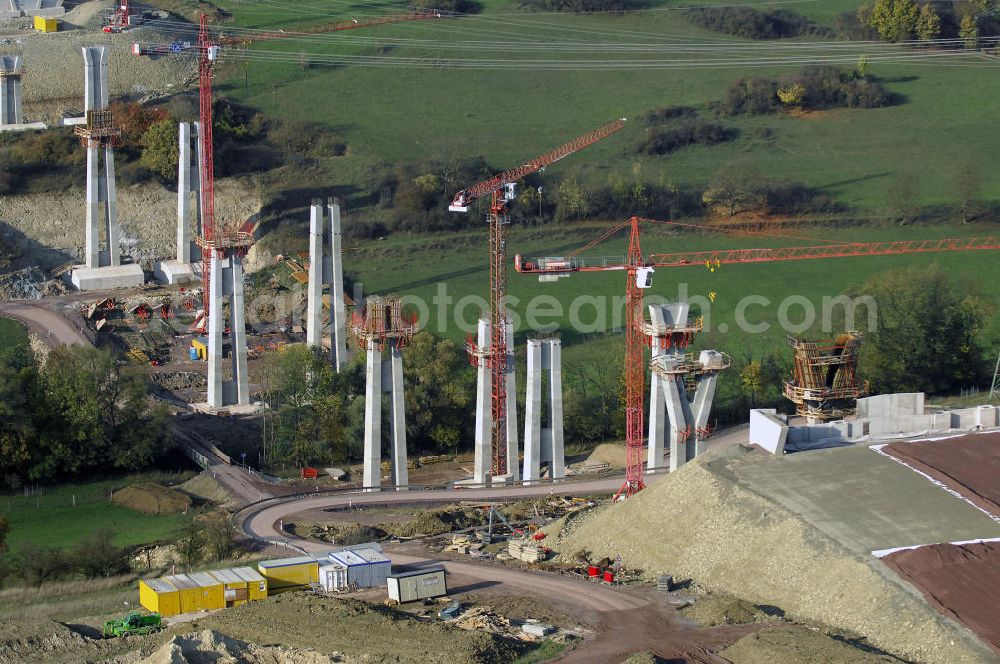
262 476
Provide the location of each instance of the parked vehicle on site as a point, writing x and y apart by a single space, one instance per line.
133 623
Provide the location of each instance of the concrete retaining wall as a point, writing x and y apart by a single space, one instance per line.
768 430
881 417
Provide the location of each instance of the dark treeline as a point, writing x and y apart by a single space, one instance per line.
753 23
79 414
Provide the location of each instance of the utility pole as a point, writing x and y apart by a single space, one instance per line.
995 387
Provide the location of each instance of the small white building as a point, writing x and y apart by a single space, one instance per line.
366 568
332 576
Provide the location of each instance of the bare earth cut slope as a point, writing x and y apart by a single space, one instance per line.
147 213
701 523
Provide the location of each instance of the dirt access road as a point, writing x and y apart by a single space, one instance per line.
624 621
50 326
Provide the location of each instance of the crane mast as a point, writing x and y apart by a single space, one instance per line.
635 369
501 189
207 53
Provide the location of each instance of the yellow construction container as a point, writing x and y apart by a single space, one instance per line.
43 24
159 596
286 574
200 345
187 590
211 594
241 585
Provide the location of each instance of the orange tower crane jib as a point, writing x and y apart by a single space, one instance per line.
639 267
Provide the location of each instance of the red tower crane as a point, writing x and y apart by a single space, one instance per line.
230 239
120 19
501 190
639 269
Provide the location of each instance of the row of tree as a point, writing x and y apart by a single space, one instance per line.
927 337
204 539
317 416
80 413
94 556
751 23
905 20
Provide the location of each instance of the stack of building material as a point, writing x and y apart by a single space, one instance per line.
481 618
460 544
525 550
537 629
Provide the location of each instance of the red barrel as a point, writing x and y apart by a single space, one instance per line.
609 577
592 571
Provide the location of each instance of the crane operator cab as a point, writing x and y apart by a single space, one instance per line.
644 277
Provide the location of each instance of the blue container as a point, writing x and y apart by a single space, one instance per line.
193 353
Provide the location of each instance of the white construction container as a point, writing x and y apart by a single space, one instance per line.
366 568
333 576
416 585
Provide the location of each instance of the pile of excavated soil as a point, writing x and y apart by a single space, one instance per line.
204 486
963 581
968 464
341 534
436 522
181 380
209 647
609 453
150 498
713 610
19 640
700 523
794 644
356 629
643 658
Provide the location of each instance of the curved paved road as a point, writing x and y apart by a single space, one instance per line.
50 326
262 519
625 621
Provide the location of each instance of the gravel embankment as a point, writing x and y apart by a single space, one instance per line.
699 524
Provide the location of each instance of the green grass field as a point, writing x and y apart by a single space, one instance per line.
13 338
440 110
50 518
416 267
391 114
